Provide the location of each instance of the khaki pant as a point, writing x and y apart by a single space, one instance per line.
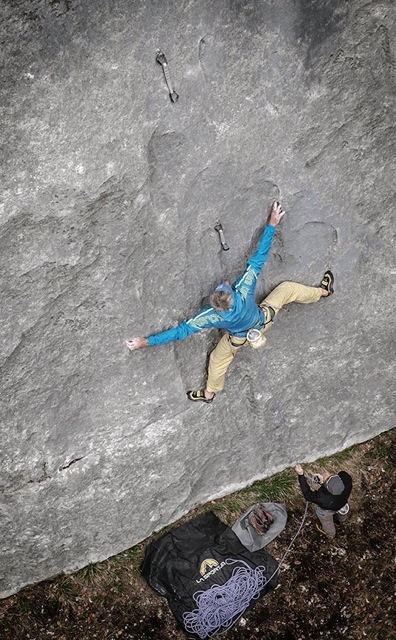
222 356
327 520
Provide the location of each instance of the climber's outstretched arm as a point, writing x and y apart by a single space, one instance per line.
201 320
260 257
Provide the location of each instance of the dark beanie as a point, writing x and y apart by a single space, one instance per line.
335 485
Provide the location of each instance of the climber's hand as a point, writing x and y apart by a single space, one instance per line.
276 214
136 343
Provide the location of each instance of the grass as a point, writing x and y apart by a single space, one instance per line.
67 590
25 606
336 459
134 556
92 574
385 450
277 488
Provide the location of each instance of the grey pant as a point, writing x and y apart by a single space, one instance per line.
327 520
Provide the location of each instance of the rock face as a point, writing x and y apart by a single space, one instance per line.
110 195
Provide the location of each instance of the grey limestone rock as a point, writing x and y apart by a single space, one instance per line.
109 197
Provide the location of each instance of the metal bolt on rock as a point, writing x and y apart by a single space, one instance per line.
219 229
161 59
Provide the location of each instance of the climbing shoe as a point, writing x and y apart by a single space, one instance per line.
328 282
260 519
199 396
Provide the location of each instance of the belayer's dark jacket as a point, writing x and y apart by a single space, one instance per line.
323 498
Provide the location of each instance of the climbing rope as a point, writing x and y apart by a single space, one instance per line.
281 561
220 606
283 420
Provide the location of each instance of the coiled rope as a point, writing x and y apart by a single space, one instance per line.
219 606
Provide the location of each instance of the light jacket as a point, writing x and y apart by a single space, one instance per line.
245 312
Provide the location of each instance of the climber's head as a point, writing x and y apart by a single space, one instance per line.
334 485
222 298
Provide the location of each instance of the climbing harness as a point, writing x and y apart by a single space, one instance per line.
235 345
254 336
271 311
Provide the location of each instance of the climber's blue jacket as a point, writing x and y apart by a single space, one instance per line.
245 312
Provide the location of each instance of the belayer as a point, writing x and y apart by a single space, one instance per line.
233 308
330 497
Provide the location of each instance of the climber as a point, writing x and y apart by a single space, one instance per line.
330 498
233 308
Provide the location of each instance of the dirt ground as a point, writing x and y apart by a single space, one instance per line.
341 588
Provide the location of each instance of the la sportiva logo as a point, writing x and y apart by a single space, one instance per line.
208 567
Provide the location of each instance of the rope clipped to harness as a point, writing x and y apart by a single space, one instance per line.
221 605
